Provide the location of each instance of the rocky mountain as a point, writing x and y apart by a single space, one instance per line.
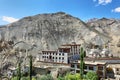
110 28
49 31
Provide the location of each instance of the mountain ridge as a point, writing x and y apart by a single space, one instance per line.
49 31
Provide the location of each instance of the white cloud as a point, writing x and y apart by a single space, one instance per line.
116 10
9 19
104 2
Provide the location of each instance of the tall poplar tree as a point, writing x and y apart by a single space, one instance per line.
30 67
19 70
82 64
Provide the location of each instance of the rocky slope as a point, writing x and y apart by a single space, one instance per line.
110 28
49 31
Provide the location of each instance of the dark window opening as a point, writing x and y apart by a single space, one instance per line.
78 66
72 65
59 57
100 68
59 53
53 57
85 67
90 67
77 71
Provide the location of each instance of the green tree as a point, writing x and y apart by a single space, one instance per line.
91 76
19 70
73 76
30 67
14 78
61 78
82 64
46 77
25 78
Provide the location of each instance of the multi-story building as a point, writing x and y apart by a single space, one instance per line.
64 54
114 70
104 67
98 67
74 48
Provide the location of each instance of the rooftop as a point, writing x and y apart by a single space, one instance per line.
103 58
50 51
96 61
93 62
71 45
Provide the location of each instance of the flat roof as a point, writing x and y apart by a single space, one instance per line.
93 62
114 65
54 63
63 48
103 58
49 51
71 45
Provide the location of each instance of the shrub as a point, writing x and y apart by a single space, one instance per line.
73 77
14 78
61 78
91 76
46 77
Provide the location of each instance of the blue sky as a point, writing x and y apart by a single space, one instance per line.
13 10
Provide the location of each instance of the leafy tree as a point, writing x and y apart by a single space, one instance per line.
46 77
30 71
82 64
61 78
49 77
14 78
19 70
73 77
91 76
25 78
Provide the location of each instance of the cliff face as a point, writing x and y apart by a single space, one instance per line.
49 31
110 28
46 31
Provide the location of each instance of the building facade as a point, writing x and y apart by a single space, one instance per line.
98 67
62 55
104 67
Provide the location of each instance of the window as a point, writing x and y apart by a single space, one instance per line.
56 57
90 67
100 68
118 73
77 71
42 56
53 57
62 58
117 69
59 53
72 65
63 54
78 66
59 57
85 67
